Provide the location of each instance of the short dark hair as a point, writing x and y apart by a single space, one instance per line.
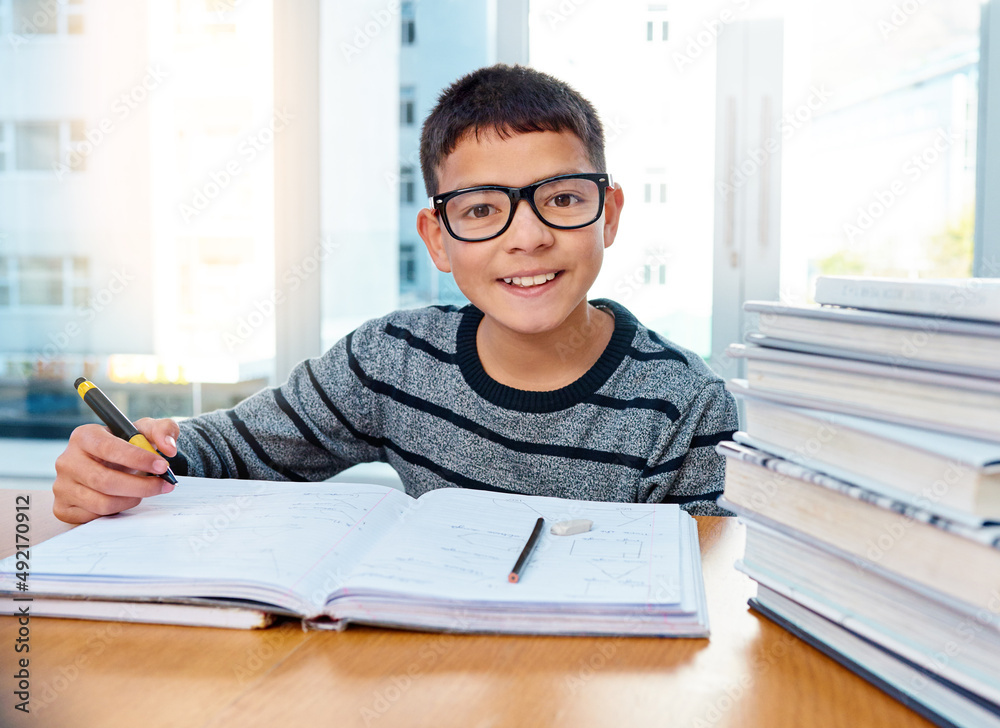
506 100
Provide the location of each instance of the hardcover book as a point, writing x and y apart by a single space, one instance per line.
966 298
909 542
964 405
895 338
955 477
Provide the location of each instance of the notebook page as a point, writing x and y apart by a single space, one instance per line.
461 544
299 538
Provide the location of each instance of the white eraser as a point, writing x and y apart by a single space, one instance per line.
568 528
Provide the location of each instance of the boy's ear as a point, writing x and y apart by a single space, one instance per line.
614 200
430 232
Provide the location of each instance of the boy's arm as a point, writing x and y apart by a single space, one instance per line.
688 470
319 422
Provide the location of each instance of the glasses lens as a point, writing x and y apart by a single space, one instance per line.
569 202
478 214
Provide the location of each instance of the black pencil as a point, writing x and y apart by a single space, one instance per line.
515 573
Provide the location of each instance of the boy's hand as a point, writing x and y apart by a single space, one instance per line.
99 474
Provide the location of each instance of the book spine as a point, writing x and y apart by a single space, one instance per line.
988 536
969 299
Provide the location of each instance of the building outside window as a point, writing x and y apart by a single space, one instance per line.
409 24
407 106
30 18
407 185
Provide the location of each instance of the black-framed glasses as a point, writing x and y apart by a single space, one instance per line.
566 202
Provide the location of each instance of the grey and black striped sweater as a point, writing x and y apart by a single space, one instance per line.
408 389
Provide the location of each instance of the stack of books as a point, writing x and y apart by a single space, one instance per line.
868 476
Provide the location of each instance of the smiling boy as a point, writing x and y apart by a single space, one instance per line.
530 388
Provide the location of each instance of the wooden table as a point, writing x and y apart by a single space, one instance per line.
751 673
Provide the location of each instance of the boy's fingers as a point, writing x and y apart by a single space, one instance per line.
111 482
84 504
71 514
162 434
101 445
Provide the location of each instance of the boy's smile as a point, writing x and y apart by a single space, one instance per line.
533 279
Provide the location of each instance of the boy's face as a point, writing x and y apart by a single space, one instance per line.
528 247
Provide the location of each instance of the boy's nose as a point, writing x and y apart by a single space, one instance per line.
526 231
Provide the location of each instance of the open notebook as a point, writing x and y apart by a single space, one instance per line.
335 553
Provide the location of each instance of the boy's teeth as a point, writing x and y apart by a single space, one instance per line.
529 281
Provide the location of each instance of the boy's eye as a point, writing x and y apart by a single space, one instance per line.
564 199
479 211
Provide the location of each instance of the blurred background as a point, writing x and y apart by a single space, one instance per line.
196 194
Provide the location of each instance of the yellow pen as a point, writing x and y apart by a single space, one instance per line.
117 422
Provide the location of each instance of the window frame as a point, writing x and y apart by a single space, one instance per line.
986 244
66 146
65 10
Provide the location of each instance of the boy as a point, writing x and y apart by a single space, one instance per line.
530 389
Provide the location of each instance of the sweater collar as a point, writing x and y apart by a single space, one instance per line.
467 356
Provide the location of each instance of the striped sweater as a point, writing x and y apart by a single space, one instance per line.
408 389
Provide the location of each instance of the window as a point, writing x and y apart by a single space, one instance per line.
44 280
47 17
656 28
655 192
43 146
407 106
6 282
912 127
407 264
407 185
4 136
78 147
654 273
37 145
409 24
78 280
41 282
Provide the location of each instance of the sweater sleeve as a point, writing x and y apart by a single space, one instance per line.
319 422
687 469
